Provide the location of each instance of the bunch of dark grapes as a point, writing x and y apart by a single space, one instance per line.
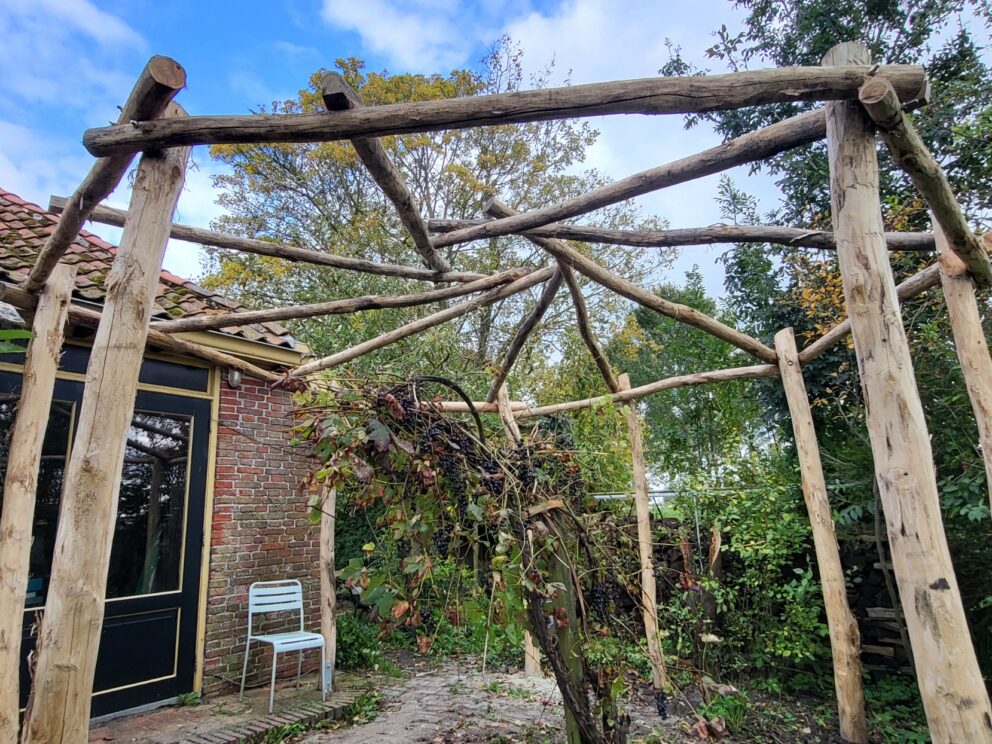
426 616
575 487
454 479
524 467
602 596
661 703
493 478
430 440
442 538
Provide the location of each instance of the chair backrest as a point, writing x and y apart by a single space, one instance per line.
274 596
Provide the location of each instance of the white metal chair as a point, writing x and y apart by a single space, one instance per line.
281 596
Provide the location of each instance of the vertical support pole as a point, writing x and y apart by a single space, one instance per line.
328 586
645 544
845 639
969 339
21 483
59 709
953 692
532 656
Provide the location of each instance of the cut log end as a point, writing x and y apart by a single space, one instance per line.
166 71
337 94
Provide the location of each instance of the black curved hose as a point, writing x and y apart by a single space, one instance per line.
461 394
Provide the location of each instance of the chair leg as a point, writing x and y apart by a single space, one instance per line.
299 667
272 683
244 670
324 681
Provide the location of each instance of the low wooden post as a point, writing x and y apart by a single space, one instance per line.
328 585
532 655
645 545
969 339
21 483
59 710
951 685
845 638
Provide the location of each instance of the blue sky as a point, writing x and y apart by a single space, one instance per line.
67 64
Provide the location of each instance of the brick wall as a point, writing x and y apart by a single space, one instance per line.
259 530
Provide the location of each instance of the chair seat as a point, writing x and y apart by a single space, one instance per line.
293 641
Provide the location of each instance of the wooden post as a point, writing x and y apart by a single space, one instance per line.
532 655
328 585
645 543
67 647
845 639
969 339
21 483
951 685
157 84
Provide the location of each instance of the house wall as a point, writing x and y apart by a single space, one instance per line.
260 530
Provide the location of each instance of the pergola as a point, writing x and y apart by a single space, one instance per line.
862 99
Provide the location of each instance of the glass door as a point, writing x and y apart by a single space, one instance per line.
147 646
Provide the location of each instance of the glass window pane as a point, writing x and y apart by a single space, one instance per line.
147 552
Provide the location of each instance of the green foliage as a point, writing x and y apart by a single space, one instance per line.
7 338
366 707
895 712
188 699
733 709
358 647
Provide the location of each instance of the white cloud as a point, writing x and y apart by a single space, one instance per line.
63 52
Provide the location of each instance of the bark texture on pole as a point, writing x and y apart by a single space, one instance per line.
110 216
422 324
532 655
158 84
645 543
951 685
59 710
911 153
526 327
339 96
763 143
969 340
334 307
845 638
21 483
667 95
676 311
822 239
328 585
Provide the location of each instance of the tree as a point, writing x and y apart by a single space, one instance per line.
321 197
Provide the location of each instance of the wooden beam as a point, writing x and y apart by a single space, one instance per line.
498 209
669 383
954 695
763 143
422 324
480 406
674 310
845 638
585 330
794 236
339 96
21 483
908 150
111 216
90 318
74 609
526 327
969 340
335 307
328 586
667 95
157 84
645 546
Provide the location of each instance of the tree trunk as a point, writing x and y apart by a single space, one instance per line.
21 484
328 585
59 710
951 685
645 542
845 639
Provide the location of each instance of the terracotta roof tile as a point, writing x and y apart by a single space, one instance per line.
24 227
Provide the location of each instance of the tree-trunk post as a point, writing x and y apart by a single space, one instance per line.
845 639
532 655
645 545
969 339
328 586
21 483
951 685
59 709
